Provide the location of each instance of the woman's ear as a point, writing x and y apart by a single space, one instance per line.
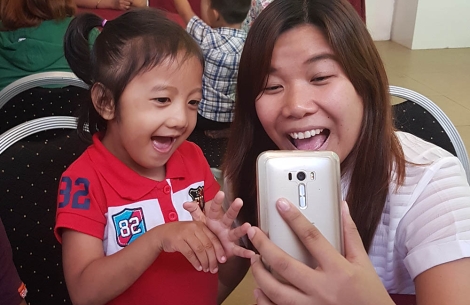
103 101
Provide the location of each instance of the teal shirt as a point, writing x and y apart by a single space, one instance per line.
32 50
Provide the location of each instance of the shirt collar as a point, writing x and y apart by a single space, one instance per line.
126 182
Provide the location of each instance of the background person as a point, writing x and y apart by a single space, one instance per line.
31 37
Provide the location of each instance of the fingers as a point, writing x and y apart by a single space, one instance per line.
261 298
216 210
272 291
239 232
318 246
235 235
205 250
353 246
292 270
124 4
218 248
231 215
193 208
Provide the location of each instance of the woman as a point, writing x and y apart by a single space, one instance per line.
31 37
311 65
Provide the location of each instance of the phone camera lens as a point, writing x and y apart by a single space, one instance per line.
301 176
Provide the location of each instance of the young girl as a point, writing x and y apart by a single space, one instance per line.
310 78
126 237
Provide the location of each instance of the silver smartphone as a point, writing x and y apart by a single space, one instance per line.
311 181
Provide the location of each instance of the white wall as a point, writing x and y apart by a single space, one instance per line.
379 15
442 24
420 24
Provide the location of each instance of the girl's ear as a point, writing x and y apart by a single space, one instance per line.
103 101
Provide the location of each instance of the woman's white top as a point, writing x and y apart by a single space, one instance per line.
426 222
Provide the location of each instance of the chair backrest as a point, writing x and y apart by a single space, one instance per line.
33 156
37 80
25 100
422 117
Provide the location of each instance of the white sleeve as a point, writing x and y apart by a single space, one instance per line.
436 229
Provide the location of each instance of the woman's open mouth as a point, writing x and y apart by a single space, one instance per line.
309 140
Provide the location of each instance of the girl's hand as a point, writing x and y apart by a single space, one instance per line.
337 279
195 241
220 223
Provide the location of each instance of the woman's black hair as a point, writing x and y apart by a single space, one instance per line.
133 43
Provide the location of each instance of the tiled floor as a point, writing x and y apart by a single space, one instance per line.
442 75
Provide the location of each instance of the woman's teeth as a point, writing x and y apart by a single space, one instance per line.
306 134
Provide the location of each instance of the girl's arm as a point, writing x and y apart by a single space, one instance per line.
93 278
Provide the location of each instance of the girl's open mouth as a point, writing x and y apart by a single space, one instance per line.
163 144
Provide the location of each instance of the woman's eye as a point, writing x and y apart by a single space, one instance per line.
320 78
162 99
194 102
272 88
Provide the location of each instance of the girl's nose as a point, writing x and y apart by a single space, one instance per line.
179 117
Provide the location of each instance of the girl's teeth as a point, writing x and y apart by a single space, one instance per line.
306 134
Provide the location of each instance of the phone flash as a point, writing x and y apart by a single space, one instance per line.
312 175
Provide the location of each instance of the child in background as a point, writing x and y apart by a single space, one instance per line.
126 236
257 6
221 39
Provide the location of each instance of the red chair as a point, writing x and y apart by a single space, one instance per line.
404 299
169 6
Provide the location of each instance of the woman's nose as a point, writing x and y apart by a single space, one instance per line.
299 101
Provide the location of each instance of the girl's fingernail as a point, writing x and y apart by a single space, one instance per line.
215 270
283 205
254 259
199 268
223 259
251 232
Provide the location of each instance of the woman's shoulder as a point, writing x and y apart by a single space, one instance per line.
417 150
427 164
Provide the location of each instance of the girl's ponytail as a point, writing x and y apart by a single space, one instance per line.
79 56
76 46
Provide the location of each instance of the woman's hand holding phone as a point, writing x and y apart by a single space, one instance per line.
338 279
220 223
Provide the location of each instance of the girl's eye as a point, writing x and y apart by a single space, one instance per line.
194 102
162 99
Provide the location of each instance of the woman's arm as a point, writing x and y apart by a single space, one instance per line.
337 280
448 283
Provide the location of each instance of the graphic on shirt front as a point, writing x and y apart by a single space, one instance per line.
197 194
129 224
